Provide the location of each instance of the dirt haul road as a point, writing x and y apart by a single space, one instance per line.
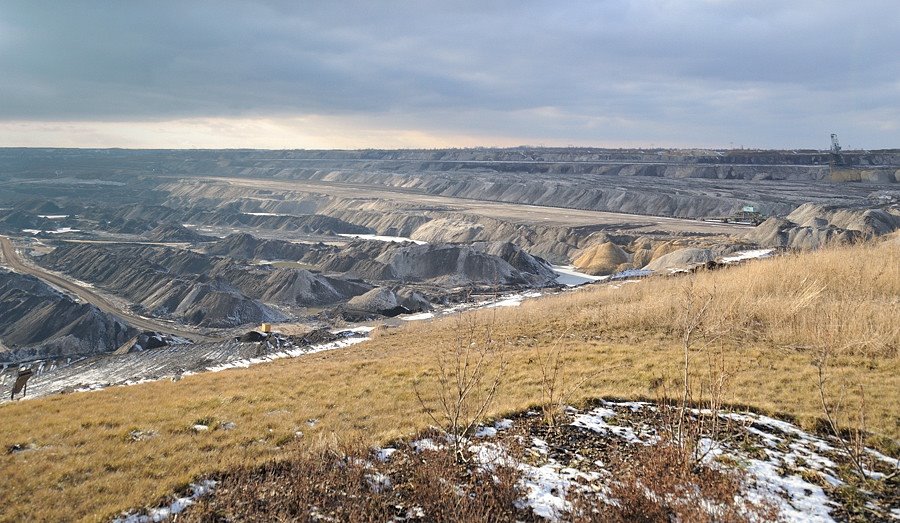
11 259
512 212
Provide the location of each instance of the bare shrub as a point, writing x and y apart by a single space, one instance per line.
469 375
558 381
705 330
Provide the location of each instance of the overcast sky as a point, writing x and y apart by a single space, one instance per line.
339 74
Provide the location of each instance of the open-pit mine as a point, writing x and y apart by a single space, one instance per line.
119 266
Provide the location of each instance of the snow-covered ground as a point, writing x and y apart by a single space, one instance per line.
513 300
785 466
177 506
380 238
182 359
417 316
504 300
280 354
748 255
567 275
61 230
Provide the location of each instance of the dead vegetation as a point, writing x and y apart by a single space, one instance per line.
653 483
789 303
350 485
622 340
467 379
657 483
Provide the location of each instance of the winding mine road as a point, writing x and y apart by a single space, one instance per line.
11 259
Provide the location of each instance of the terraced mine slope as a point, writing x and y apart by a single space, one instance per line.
203 245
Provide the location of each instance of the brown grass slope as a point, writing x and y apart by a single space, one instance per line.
769 319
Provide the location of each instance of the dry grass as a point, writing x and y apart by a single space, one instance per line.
84 464
846 296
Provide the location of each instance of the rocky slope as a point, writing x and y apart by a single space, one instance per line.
195 288
448 265
432 224
811 226
386 301
173 232
244 246
39 321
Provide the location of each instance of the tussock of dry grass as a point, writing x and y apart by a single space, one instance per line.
769 319
847 297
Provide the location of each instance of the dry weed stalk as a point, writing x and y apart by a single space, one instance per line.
554 376
851 437
702 332
468 379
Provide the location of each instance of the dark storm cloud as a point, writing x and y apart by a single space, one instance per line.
709 72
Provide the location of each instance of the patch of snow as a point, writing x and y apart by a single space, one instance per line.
378 482
417 317
53 216
288 353
887 459
545 486
485 432
567 275
513 300
359 330
177 506
84 284
595 420
380 238
385 453
796 498
748 255
425 444
503 424
263 214
619 285
631 273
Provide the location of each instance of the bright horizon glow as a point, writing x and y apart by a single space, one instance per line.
313 132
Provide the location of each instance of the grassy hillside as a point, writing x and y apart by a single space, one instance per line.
91 455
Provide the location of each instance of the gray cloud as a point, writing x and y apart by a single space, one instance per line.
710 72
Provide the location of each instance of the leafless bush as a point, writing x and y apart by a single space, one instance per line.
469 375
558 383
699 414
